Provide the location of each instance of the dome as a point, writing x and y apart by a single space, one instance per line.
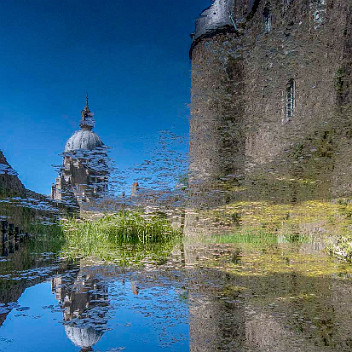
83 139
83 337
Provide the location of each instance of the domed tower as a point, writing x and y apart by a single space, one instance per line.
84 174
217 139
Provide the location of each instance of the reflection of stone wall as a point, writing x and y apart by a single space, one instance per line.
287 308
214 325
21 261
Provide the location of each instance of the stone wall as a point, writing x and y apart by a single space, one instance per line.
9 181
239 126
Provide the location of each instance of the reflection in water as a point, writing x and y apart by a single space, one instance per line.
269 194
84 300
261 295
279 297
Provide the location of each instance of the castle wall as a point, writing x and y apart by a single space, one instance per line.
240 122
294 49
217 144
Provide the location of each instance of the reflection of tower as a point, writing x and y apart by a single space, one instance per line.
84 301
84 174
230 312
214 325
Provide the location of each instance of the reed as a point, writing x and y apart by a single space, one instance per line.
121 227
119 236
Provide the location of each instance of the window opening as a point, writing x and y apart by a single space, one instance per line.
267 18
290 99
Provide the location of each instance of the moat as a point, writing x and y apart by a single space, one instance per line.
229 293
219 215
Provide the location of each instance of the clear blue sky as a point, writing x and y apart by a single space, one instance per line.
131 56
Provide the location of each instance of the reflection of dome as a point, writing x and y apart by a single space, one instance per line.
83 337
83 139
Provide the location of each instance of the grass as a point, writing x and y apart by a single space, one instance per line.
126 237
256 238
122 227
120 237
47 238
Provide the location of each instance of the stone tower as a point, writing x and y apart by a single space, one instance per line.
84 174
217 106
271 95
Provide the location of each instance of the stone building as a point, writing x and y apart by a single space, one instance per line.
10 184
84 174
271 95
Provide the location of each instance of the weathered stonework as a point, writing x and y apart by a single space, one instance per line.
247 125
84 174
9 182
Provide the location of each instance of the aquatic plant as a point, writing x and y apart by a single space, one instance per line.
122 227
120 237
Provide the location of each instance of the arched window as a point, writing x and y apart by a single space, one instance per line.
267 18
290 99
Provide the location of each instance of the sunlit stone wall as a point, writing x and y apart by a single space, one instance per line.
9 181
241 124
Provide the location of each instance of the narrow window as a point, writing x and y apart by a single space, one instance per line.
290 99
267 18
318 10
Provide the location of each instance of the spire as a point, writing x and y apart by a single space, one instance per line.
87 121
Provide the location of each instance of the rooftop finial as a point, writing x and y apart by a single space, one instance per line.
87 116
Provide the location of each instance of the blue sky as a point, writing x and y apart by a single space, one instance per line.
131 56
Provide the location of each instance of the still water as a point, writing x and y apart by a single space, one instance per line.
265 197
225 294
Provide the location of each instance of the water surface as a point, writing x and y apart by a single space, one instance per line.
260 295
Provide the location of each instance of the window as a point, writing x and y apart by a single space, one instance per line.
318 10
267 18
290 99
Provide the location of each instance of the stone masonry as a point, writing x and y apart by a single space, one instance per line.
271 94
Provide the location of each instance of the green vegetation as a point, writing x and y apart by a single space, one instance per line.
125 237
49 238
266 223
122 227
257 238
